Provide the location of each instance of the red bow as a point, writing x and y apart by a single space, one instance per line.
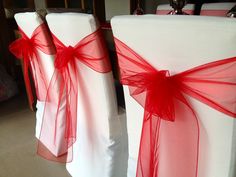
91 51
168 113
27 49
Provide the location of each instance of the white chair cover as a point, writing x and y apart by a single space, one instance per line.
28 22
178 43
164 9
216 9
100 149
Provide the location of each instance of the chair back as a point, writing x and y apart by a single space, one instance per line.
28 22
178 43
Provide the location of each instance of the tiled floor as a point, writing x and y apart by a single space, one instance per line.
18 145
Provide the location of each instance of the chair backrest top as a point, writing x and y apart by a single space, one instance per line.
70 29
180 42
66 25
28 21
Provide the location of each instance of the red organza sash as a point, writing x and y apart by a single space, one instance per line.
169 144
55 142
27 49
211 12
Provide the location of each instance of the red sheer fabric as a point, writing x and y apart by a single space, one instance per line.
211 12
169 144
56 143
27 49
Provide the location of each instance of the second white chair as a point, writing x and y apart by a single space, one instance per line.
100 149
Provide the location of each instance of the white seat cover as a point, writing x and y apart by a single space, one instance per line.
28 22
216 9
166 42
99 150
164 9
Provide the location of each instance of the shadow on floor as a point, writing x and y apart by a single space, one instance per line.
13 105
18 156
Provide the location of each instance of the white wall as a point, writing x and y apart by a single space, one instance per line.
40 4
116 7
151 5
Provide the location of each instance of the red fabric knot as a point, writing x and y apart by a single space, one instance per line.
160 90
64 56
27 50
160 95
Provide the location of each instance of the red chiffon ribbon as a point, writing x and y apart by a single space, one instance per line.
56 140
169 144
27 49
211 12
